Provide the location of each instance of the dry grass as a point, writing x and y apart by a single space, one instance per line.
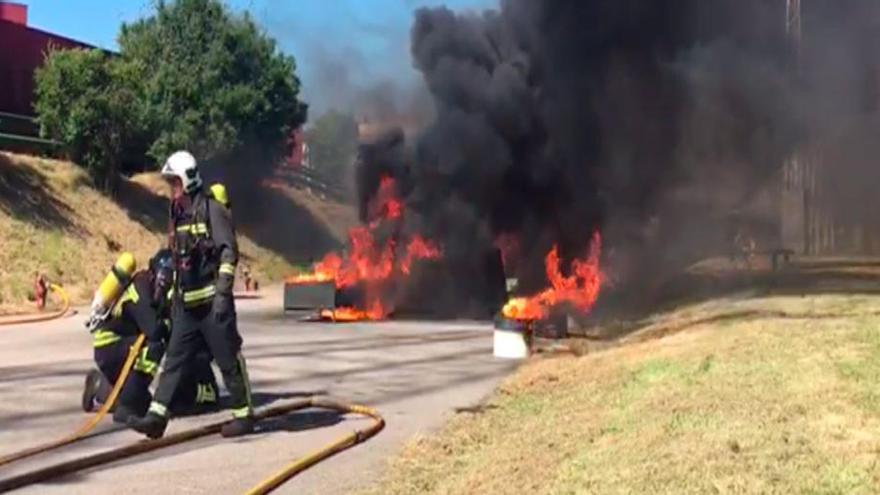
65 228
816 266
783 403
338 218
151 181
76 246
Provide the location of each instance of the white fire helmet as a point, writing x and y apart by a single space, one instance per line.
183 165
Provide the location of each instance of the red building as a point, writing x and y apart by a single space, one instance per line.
22 50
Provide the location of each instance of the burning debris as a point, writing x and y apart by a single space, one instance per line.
578 290
379 255
643 120
418 249
348 314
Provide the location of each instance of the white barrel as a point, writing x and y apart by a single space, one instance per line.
510 344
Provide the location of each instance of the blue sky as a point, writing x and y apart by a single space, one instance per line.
338 44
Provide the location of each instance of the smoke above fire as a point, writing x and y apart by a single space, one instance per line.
646 121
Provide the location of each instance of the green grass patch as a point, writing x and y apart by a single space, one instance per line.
839 478
775 405
863 368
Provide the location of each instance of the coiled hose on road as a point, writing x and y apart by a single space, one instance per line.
141 447
65 307
263 487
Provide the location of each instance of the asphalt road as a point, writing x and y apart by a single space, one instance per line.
418 374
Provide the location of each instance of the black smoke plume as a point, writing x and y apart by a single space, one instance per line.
646 120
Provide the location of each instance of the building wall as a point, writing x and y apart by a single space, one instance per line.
14 12
298 156
22 51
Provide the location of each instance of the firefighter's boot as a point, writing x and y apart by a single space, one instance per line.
122 414
90 390
151 425
238 427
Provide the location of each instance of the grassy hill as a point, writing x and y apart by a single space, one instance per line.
754 392
53 221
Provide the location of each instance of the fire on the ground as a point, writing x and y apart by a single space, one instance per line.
580 289
371 262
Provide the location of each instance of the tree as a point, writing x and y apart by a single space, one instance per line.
215 81
193 75
333 141
83 100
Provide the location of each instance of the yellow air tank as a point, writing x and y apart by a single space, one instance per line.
218 191
110 289
115 281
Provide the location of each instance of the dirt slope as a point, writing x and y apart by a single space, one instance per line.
53 221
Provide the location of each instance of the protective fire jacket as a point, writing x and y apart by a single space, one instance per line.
133 313
204 247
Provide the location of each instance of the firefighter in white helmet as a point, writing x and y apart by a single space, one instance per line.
205 253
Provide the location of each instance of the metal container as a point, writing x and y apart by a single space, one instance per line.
308 296
554 327
352 297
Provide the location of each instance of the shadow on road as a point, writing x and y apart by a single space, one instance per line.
294 422
301 421
263 399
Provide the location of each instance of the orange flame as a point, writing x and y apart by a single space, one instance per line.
323 271
418 249
393 208
368 260
389 205
349 314
580 289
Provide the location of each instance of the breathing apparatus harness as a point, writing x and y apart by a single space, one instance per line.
193 250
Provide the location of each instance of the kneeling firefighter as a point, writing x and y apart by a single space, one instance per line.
205 254
126 304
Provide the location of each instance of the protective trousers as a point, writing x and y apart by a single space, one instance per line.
135 394
190 329
198 387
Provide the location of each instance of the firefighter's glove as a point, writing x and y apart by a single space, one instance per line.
222 307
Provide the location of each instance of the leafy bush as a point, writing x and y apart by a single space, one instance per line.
193 75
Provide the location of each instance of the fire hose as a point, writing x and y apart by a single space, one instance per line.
89 425
65 307
265 486
144 446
